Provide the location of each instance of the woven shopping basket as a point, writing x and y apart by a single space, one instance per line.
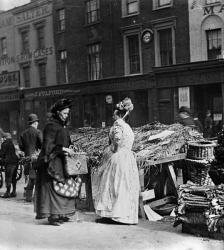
197 172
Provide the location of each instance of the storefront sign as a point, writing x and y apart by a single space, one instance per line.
184 97
52 92
209 10
5 22
9 97
30 56
33 14
9 80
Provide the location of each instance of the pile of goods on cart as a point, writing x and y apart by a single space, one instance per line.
152 141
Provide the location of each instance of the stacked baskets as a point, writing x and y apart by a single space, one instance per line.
199 155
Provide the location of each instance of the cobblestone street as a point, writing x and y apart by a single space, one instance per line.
19 230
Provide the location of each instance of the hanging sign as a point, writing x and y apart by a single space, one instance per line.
184 97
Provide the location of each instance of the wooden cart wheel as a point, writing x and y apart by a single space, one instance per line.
19 172
1 179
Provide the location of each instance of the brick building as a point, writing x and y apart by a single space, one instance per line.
155 52
103 57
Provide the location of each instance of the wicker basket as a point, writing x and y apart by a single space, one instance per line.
199 150
197 172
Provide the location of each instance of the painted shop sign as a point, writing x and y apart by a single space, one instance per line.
184 97
5 22
52 92
24 57
33 14
9 97
9 80
209 10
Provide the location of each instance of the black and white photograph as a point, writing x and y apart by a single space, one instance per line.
111 124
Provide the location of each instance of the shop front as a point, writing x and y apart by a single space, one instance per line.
198 85
94 102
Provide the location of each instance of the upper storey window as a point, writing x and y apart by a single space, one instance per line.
130 7
40 37
25 41
214 43
3 45
61 20
92 11
211 1
162 3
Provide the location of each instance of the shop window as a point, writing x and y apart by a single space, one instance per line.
26 76
3 46
94 62
40 37
63 66
214 43
211 1
132 54
61 19
162 3
130 7
42 74
92 11
90 111
25 41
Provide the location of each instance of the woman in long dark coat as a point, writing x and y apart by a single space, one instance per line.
56 140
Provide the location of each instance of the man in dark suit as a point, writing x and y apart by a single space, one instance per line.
30 143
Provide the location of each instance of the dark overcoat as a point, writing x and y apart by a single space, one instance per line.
48 202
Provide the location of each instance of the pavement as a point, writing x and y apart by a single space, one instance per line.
19 230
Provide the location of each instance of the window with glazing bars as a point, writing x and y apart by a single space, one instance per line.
42 74
165 46
26 76
211 1
63 66
61 20
214 43
132 7
40 37
25 41
163 3
133 54
3 46
92 11
94 61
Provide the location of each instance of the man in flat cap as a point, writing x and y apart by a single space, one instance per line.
30 143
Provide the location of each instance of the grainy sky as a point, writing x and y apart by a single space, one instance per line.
9 4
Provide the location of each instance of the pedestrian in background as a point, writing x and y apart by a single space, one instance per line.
30 142
185 117
208 124
10 161
198 124
57 207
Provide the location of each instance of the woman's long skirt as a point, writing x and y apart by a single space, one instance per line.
118 192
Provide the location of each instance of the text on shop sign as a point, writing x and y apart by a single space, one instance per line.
209 10
29 56
9 80
32 14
